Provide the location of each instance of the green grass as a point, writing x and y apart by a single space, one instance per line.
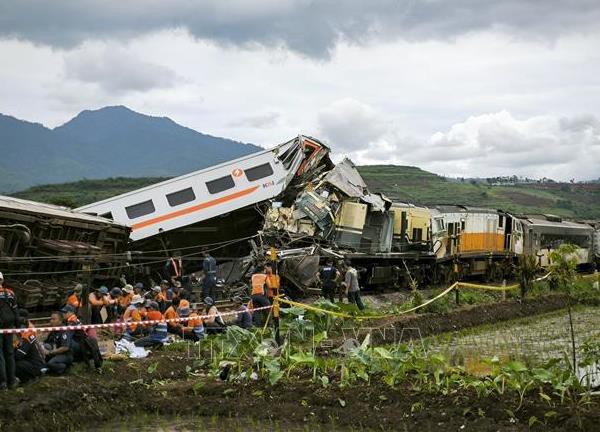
82 192
411 184
400 183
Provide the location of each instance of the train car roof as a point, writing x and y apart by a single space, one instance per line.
453 208
194 173
38 208
550 221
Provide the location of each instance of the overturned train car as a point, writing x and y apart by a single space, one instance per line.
45 250
219 208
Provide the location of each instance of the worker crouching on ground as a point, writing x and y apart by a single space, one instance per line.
83 346
96 301
213 323
9 318
57 346
244 317
260 287
125 299
171 314
328 277
352 286
133 317
29 358
112 303
157 332
74 298
193 328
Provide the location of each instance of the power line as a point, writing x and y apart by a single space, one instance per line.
133 265
54 258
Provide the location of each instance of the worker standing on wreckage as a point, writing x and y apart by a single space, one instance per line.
209 268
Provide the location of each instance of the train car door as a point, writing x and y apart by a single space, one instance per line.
508 230
517 245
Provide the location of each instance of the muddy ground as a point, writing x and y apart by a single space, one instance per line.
127 391
164 386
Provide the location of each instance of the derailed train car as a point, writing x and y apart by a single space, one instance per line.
46 249
219 207
294 198
398 244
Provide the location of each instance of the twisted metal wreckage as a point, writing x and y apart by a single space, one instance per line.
292 198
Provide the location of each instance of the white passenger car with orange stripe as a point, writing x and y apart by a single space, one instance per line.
210 192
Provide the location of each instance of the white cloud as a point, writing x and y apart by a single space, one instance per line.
476 104
116 69
496 144
350 124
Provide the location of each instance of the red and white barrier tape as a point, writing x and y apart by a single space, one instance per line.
121 324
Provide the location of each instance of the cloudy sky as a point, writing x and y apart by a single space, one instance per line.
463 87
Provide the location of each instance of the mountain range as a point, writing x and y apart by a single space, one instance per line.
109 142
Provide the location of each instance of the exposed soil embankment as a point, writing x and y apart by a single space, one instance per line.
466 317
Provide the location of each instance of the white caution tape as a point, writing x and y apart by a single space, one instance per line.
120 324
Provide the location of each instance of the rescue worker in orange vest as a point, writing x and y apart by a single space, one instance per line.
9 318
274 283
171 314
96 301
157 333
260 287
74 298
125 299
193 328
29 359
133 316
83 347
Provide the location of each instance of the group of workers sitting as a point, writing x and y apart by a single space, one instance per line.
147 318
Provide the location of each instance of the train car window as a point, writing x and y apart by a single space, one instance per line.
417 234
141 209
181 197
258 172
462 224
107 215
439 224
501 222
220 184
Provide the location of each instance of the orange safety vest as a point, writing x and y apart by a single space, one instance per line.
95 301
135 317
154 315
125 300
259 280
27 334
171 313
74 301
194 321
